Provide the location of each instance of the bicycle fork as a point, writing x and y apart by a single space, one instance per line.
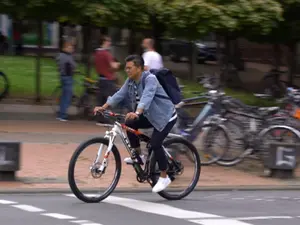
104 163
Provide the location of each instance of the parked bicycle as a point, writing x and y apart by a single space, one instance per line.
250 126
149 173
83 103
290 105
208 120
4 85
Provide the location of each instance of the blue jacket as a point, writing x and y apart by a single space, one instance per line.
156 109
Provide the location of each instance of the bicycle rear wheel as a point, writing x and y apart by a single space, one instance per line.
94 169
176 169
4 85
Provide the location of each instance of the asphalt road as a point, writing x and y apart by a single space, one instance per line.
206 208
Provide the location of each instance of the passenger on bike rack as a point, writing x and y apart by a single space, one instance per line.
151 108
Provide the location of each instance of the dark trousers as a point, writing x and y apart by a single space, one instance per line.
156 139
106 88
66 95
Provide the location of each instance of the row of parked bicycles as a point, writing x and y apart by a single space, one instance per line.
234 130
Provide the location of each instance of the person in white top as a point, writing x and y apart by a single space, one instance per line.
152 59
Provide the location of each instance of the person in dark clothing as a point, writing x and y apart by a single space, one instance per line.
105 66
66 67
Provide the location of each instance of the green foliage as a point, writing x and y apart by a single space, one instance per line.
194 18
286 30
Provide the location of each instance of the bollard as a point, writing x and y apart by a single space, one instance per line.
282 159
9 160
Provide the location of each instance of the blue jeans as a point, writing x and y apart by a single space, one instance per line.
66 95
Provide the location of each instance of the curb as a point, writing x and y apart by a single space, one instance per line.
148 190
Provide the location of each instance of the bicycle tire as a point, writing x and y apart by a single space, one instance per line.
196 177
211 133
263 155
240 157
72 163
4 93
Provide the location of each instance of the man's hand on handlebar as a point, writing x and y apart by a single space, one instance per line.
131 116
100 108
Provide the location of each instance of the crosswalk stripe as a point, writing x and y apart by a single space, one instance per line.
155 208
6 202
219 222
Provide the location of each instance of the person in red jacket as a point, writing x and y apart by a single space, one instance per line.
105 66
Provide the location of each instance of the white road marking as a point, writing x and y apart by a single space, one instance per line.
91 224
285 198
219 222
238 198
59 216
263 217
5 202
80 221
258 199
155 208
28 208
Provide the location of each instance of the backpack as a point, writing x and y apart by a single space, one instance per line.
169 83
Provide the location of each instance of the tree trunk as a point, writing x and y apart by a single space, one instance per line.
38 61
237 56
131 42
61 33
277 56
87 48
292 61
157 31
192 61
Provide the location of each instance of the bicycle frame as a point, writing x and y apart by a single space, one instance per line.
118 130
211 108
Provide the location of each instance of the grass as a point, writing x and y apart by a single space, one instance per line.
21 72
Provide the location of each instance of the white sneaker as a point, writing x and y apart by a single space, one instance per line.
128 160
161 184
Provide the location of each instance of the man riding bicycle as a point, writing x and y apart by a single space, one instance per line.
151 108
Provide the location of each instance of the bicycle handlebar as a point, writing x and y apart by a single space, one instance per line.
110 114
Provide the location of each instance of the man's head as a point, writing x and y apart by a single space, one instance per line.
134 66
105 41
148 44
68 45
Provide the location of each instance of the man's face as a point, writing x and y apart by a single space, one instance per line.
107 43
145 44
132 71
70 48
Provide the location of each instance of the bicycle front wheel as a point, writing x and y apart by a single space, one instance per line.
179 165
95 168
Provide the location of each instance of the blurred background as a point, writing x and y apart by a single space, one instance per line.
239 40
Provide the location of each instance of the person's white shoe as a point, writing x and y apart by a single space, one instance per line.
128 160
161 184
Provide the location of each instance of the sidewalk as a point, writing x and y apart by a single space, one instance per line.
47 146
